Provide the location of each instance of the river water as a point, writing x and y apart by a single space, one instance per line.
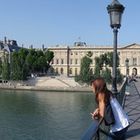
35 115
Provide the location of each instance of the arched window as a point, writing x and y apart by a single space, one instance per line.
56 70
75 71
134 71
61 70
70 71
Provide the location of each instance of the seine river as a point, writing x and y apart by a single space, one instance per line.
34 115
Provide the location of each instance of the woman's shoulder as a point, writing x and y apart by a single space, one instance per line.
101 96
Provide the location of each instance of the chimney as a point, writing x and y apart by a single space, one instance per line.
43 47
31 47
5 40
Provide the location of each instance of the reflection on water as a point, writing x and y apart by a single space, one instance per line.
44 115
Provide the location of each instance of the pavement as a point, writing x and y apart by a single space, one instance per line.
54 81
132 107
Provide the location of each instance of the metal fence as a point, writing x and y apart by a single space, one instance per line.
121 93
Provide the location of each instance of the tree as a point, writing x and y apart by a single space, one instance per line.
30 60
107 60
0 67
98 66
97 71
24 62
119 76
15 67
49 56
42 63
22 54
106 74
38 61
86 73
5 68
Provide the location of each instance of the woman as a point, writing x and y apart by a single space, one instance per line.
102 97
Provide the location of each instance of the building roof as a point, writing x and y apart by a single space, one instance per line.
93 47
132 46
9 47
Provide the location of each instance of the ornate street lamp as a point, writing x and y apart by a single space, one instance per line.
115 10
127 66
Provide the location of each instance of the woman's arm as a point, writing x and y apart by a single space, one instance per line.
99 112
101 100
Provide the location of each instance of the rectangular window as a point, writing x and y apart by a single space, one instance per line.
70 71
57 61
70 61
75 71
134 61
61 70
76 61
62 61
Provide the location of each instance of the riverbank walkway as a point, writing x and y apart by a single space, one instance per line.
132 107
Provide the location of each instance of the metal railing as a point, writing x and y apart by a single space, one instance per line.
121 93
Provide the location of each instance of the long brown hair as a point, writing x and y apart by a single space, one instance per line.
99 85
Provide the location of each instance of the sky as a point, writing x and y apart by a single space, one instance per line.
63 22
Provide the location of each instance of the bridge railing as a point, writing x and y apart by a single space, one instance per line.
121 93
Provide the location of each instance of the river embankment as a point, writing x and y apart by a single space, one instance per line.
37 88
60 84
47 83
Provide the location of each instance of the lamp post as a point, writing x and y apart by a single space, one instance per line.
127 66
115 10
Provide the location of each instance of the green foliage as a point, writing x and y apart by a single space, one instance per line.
99 62
5 69
25 62
0 67
109 59
97 71
49 56
86 73
106 74
119 76
106 60
15 67
38 61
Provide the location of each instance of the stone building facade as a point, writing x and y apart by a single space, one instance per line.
67 59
